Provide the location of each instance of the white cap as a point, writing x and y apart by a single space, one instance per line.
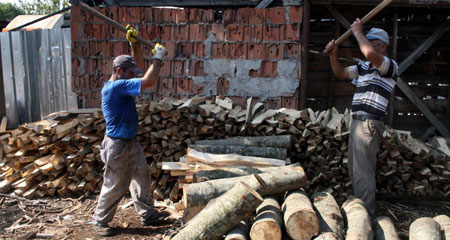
378 34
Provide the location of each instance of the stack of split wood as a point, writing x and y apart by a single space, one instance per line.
66 149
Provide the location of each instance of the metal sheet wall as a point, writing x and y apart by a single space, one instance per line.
36 74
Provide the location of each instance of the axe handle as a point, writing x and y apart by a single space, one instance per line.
365 19
111 22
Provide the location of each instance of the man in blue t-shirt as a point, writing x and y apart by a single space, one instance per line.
375 80
125 164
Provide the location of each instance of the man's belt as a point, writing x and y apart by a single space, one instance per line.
362 117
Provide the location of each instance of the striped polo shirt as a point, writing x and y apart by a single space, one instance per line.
373 86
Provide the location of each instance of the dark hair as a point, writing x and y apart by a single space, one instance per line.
115 68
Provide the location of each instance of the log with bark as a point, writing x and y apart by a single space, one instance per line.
424 228
384 229
268 223
444 223
300 219
329 214
327 236
239 232
358 222
281 141
222 214
198 194
255 151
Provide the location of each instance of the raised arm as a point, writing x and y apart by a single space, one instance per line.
365 46
338 70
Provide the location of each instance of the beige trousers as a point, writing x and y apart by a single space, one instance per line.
125 169
364 143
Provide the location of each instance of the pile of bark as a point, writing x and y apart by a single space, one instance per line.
60 155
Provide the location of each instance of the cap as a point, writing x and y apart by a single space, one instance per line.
378 34
126 61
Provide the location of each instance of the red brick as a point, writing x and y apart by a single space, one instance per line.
77 15
178 68
196 68
238 100
80 49
199 49
258 16
276 15
171 48
198 88
269 69
198 32
182 16
98 33
234 33
157 16
181 32
253 33
242 15
219 50
165 68
131 15
184 50
195 15
106 49
271 33
107 66
146 15
238 51
274 51
292 32
222 86
169 15
113 13
74 80
120 48
151 32
229 16
93 99
256 51
166 33
168 86
75 31
289 102
95 48
107 31
293 51
295 14
207 16
75 64
273 103
218 31
88 31
184 85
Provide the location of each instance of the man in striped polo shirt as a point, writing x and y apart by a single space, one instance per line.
374 80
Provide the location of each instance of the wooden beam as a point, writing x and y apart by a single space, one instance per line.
332 83
184 3
407 90
427 134
394 56
304 57
264 4
336 14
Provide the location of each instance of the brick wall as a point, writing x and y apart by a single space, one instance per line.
237 53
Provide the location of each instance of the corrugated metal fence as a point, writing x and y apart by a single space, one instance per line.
36 74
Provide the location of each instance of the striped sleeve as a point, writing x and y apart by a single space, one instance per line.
388 68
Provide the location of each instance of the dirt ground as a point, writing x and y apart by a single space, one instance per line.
66 218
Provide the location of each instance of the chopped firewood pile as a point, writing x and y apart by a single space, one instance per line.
59 155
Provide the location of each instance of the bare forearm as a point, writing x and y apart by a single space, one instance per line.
136 53
338 69
364 44
151 76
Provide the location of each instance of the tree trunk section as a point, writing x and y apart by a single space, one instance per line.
282 141
359 226
424 228
239 171
265 152
384 229
239 232
268 222
198 194
299 217
222 214
329 214
327 236
444 222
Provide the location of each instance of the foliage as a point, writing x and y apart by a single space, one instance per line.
8 11
43 7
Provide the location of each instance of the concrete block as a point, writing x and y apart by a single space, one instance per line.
222 86
196 68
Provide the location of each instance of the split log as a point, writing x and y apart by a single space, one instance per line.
444 223
231 159
281 141
384 229
238 171
329 213
359 226
299 217
265 152
424 228
222 214
198 194
239 232
268 221
327 236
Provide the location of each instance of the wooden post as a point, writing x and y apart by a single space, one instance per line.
394 56
304 58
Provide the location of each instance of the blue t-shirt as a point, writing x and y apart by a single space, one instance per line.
119 107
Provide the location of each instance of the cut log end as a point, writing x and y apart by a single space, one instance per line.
302 225
268 230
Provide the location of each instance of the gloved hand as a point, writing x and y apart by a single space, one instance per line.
132 34
159 51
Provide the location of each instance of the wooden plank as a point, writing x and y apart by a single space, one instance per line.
336 14
394 56
264 4
3 124
304 57
435 105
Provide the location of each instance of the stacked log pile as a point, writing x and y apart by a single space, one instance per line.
61 156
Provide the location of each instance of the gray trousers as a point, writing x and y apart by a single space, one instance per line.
125 169
364 143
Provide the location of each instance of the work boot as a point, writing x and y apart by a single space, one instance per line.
102 229
155 218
